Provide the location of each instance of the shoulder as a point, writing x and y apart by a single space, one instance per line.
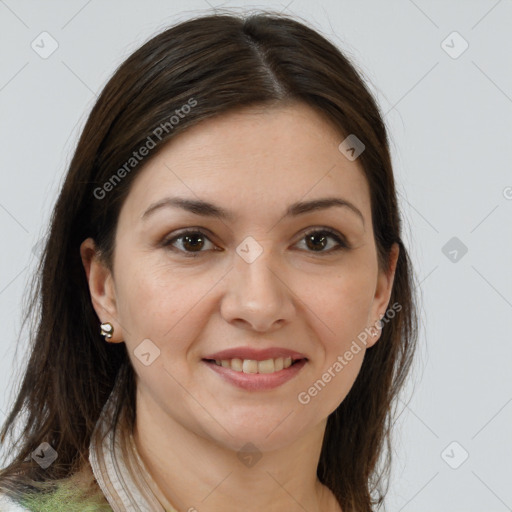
78 492
8 505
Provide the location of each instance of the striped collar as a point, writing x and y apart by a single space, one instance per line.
119 469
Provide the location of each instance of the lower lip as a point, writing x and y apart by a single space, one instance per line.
257 381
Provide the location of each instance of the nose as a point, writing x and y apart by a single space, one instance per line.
257 297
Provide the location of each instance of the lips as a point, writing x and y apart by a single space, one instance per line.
255 354
257 382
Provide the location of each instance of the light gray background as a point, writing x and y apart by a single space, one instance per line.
450 122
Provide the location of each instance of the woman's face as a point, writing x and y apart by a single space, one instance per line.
251 278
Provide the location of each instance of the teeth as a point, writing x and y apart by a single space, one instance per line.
235 364
279 364
253 366
250 366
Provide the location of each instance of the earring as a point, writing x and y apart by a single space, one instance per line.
107 329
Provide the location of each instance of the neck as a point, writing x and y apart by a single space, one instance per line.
195 473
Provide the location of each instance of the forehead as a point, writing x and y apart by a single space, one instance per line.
250 159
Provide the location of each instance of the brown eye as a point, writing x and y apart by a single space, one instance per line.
192 243
317 240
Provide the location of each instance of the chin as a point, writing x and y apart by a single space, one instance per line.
266 434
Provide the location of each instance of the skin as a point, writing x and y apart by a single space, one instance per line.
190 422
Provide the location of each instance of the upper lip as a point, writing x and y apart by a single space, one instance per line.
256 354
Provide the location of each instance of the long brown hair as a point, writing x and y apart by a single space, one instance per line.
214 64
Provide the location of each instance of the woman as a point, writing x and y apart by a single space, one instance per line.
225 303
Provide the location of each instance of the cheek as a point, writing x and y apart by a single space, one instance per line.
343 303
161 304
341 307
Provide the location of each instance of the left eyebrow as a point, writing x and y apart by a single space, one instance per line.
300 208
207 209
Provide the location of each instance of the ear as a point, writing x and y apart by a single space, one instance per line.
101 287
382 295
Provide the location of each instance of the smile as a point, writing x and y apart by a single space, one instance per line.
253 375
253 366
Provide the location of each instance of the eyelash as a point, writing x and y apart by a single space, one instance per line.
342 244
